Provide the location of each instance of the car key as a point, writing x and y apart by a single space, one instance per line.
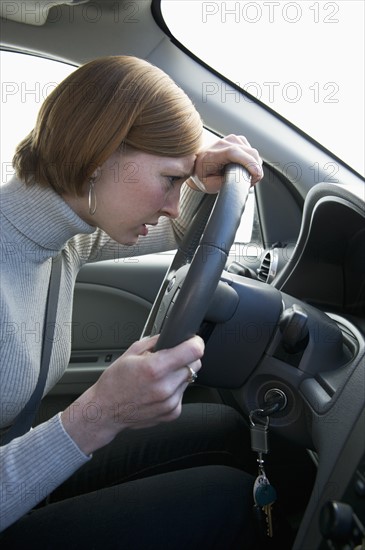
264 493
264 496
260 520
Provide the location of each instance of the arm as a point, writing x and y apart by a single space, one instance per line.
140 389
151 385
34 465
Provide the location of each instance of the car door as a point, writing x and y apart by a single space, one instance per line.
112 300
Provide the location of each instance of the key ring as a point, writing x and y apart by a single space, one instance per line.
259 412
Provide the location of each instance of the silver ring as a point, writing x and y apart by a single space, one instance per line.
192 375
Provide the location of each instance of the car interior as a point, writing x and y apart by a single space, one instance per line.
283 310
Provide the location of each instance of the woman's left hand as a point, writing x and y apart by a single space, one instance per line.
210 163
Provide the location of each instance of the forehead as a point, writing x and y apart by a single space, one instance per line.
179 166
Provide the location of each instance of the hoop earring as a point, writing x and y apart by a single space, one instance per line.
92 197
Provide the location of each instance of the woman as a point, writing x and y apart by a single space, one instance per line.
109 171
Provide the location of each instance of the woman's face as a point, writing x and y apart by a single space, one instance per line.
133 189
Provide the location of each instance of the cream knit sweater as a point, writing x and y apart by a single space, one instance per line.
36 225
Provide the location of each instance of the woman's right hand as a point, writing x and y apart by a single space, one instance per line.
140 389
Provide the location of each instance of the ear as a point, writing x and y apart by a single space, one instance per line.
96 174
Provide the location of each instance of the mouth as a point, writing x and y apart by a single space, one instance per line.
145 227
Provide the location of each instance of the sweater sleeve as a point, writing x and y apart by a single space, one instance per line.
52 457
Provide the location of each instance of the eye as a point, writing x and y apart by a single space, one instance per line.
174 179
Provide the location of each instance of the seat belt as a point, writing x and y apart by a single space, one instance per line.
24 420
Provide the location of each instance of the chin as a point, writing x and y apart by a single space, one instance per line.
132 241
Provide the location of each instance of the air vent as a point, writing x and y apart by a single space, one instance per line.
263 271
269 265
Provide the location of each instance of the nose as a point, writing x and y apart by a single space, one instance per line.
171 207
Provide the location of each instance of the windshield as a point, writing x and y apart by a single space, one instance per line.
303 59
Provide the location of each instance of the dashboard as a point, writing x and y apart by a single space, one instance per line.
319 365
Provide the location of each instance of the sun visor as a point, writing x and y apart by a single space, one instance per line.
32 12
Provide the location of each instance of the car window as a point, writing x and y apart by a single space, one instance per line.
26 80
304 60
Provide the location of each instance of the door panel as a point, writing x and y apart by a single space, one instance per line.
112 300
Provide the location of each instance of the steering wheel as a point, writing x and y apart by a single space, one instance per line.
195 271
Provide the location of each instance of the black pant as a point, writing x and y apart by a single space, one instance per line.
179 485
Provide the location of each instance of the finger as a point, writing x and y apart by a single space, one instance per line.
179 379
184 374
169 414
173 359
212 162
187 372
143 346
